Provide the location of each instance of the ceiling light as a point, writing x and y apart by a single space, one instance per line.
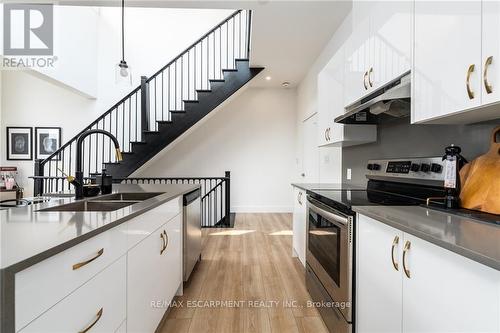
123 76
285 84
268 78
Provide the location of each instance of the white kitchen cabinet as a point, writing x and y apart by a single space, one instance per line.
379 283
445 292
379 47
491 52
452 293
310 150
100 304
153 276
447 41
299 225
331 105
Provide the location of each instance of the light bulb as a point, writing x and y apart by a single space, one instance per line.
123 72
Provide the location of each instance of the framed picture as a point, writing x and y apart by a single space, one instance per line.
47 141
19 143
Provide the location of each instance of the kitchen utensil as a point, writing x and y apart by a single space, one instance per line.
481 179
91 190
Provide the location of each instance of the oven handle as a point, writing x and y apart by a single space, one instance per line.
329 215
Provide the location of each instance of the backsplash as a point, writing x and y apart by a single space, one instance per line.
398 139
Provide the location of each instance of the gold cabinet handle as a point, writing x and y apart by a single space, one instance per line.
487 85
370 81
405 251
166 239
163 246
467 81
394 244
98 316
364 80
83 263
328 134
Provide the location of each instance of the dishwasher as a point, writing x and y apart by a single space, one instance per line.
192 231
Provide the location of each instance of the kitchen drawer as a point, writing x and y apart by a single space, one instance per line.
143 225
78 311
40 286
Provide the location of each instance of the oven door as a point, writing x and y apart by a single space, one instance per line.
329 252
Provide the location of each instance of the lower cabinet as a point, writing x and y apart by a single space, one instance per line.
299 225
153 276
406 284
98 305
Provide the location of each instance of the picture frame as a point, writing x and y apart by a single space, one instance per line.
47 141
19 143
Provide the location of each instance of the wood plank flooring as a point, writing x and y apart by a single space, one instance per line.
250 265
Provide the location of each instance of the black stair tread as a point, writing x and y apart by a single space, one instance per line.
241 59
127 152
217 80
230 70
177 111
204 90
164 121
191 101
139 142
112 163
151 132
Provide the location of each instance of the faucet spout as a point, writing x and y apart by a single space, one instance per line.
78 182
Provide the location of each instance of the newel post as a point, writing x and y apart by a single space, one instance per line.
38 182
144 104
228 198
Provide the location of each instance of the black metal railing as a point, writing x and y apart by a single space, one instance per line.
215 196
153 101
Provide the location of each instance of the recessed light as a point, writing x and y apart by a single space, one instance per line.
268 78
285 84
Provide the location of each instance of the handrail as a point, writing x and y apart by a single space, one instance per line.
194 44
213 189
137 89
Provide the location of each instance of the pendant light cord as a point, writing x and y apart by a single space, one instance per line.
123 30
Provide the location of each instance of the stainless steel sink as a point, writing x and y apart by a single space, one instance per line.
138 196
89 206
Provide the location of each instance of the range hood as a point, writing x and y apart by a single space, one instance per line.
391 100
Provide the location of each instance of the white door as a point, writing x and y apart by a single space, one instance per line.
491 52
447 48
311 151
357 60
390 40
299 225
146 284
379 285
447 292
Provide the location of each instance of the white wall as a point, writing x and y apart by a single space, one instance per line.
154 37
253 137
330 158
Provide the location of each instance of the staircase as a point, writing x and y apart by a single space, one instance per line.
162 108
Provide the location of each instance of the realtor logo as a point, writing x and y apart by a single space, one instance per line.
28 29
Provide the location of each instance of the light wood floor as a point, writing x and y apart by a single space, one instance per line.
251 262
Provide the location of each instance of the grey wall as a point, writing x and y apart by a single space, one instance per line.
398 139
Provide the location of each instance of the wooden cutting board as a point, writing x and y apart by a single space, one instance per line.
481 180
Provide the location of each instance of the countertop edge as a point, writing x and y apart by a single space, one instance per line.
477 257
39 257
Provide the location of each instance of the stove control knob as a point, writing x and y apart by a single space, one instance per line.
376 166
369 166
437 168
425 167
415 167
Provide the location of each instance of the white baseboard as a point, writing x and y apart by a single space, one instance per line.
261 209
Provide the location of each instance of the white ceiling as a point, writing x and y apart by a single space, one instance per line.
287 36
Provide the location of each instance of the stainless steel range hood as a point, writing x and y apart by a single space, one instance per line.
392 100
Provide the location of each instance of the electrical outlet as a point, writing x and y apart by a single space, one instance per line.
349 174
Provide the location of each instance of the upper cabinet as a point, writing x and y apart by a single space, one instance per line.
331 105
379 48
455 71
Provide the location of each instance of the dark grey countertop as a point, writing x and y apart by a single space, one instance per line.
28 236
476 240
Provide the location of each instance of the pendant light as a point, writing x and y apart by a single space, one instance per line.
123 74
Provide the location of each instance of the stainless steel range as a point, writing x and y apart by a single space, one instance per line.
331 254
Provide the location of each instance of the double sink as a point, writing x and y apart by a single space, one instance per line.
105 203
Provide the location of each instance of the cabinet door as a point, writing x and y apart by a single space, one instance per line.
491 51
299 225
447 292
310 162
325 111
146 284
171 265
447 43
390 40
379 285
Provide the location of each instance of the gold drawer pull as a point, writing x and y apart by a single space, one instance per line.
394 244
405 251
487 85
83 263
370 81
98 316
166 239
467 81
163 246
364 80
